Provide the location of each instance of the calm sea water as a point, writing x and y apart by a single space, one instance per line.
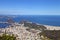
41 19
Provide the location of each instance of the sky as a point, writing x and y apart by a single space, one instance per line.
29 7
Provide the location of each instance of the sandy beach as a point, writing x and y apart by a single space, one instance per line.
52 27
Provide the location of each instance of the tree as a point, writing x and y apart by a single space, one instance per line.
7 37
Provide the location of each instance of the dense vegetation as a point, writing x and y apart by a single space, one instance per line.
7 37
51 34
33 25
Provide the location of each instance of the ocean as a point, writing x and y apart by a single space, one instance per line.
52 20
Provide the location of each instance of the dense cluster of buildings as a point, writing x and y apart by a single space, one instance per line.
21 33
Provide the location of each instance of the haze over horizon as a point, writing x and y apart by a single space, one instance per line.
29 7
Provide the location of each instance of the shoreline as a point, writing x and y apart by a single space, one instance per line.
24 33
52 27
49 27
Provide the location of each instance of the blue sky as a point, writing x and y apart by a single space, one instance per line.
29 7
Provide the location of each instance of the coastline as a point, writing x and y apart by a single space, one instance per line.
49 27
52 27
26 33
